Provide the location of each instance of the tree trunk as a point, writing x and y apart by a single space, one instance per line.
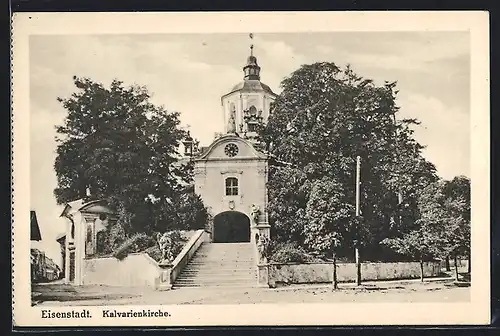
335 283
456 267
421 270
468 264
358 268
447 263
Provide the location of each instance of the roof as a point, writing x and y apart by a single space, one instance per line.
251 85
35 228
81 206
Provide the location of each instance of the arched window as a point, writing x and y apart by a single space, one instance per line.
231 186
252 110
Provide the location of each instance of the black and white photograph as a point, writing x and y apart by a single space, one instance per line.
167 169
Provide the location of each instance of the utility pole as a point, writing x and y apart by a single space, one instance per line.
358 182
400 193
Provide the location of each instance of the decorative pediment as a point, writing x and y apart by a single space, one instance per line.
230 147
93 207
96 207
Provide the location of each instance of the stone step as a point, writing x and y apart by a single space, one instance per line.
211 258
229 252
220 275
216 280
215 246
248 278
240 249
190 270
216 286
225 271
219 267
224 255
242 282
227 245
225 262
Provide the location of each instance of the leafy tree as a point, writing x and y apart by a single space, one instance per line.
443 226
458 205
123 148
330 218
445 213
416 244
288 192
190 212
324 118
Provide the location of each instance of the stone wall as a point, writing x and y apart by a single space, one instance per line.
346 272
195 241
135 270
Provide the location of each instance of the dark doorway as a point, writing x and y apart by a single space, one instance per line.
71 266
231 227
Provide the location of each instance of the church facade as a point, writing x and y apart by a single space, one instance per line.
231 173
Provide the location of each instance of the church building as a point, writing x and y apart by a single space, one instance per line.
231 173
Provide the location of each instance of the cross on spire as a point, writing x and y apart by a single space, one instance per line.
251 45
251 69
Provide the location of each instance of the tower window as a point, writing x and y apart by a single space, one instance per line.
231 186
252 127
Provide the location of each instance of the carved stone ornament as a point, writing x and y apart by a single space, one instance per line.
231 171
231 205
255 213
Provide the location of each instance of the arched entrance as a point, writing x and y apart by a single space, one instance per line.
231 227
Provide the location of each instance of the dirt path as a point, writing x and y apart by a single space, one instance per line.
411 291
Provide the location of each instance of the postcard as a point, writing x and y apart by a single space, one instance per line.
250 168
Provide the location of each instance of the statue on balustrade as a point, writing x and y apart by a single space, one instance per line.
165 244
255 213
263 247
231 126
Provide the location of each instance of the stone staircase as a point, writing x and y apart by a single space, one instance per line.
220 265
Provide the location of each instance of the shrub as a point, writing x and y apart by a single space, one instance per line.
178 239
128 246
289 252
142 242
111 239
154 252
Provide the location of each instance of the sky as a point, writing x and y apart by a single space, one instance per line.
189 73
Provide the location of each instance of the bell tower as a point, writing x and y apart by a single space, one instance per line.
251 69
247 105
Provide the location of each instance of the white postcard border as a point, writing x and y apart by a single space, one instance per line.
477 311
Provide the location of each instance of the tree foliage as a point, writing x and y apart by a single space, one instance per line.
324 118
122 147
443 227
330 217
